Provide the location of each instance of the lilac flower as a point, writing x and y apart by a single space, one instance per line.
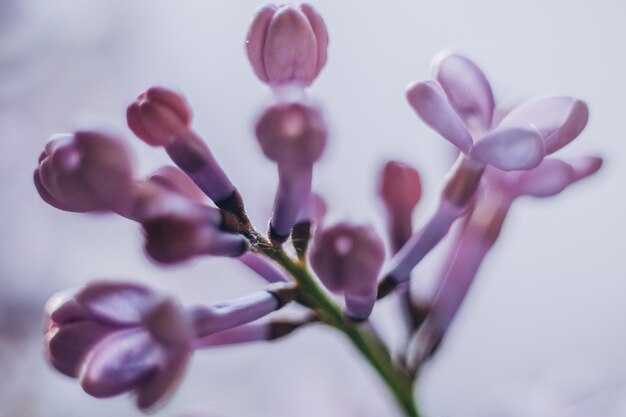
347 259
400 189
117 338
287 45
120 337
176 180
86 171
294 135
161 117
483 227
459 105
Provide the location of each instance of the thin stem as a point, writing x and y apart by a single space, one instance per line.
397 380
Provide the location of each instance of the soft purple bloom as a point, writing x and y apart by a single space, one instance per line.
459 105
86 171
348 258
400 188
294 135
287 45
161 117
122 337
118 338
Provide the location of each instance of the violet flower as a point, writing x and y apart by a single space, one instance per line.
118 338
86 171
287 45
348 259
294 135
162 117
483 227
459 105
121 337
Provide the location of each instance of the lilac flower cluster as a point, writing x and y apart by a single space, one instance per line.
120 337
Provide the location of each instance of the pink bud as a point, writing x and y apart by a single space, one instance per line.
287 45
85 172
348 259
159 116
292 134
400 187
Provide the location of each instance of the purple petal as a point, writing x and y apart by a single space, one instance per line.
558 119
168 324
585 166
63 308
171 99
67 346
321 34
290 49
549 178
115 302
156 389
430 103
467 89
510 148
255 40
121 362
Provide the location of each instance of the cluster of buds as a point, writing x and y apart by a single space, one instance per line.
124 337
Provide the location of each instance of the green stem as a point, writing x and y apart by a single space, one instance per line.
398 381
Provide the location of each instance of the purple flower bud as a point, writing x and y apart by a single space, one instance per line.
400 189
287 45
85 172
117 338
294 135
192 231
348 259
161 117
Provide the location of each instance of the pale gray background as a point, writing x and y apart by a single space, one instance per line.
544 326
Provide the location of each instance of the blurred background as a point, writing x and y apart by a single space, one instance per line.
543 332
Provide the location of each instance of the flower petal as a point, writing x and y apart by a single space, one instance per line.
116 302
156 389
430 103
120 362
255 40
549 178
467 89
67 346
510 148
559 119
585 166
